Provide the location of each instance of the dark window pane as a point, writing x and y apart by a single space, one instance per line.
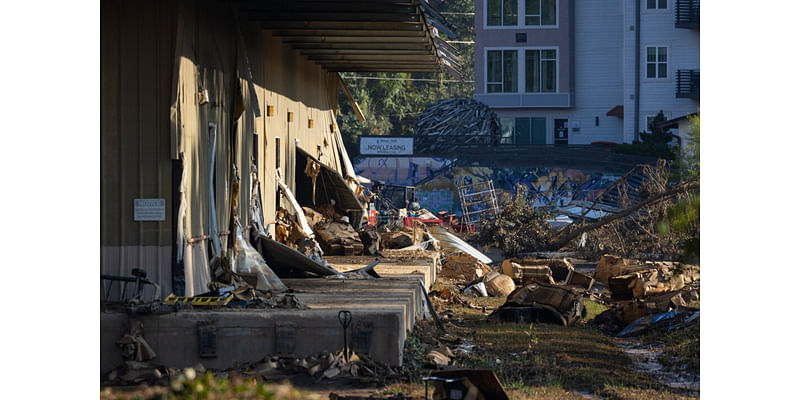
510 71
539 130
662 70
494 66
651 54
549 76
549 54
493 12
509 12
532 7
662 3
532 72
651 3
533 20
522 131
548 12
494 88
662 54
651 70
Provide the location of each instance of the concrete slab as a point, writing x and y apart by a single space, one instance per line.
426 267
384 312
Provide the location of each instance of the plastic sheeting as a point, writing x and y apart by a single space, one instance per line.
250 263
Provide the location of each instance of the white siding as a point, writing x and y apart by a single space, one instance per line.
598 71
605 70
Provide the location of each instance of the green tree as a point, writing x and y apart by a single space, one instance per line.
392 101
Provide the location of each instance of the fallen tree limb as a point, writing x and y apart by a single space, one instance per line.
563 239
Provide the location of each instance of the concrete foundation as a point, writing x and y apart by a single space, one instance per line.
425 268
384 312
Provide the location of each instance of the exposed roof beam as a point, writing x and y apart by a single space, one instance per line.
415 40
352 31
343 25
360 17
332 47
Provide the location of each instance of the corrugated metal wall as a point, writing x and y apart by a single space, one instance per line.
137 52
156 58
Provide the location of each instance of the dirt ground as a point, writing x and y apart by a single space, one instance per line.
541 361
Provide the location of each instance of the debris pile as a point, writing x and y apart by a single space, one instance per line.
638 291
542 303
324 365
464 268
454 122
334 233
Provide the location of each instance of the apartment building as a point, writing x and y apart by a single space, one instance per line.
585 71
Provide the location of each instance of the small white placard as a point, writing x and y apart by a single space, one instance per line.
149 209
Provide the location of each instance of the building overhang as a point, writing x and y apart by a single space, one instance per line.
361 35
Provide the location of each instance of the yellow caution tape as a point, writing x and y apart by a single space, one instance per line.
198 300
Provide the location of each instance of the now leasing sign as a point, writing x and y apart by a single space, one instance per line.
386 145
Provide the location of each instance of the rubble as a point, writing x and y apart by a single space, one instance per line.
542 303
322 366
455 121
463 267
334 234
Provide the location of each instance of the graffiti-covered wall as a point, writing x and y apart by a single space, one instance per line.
439 191
398 170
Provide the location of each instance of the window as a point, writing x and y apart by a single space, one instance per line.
540 71
530 131
501 71
656 4
656 62
540 12
501 12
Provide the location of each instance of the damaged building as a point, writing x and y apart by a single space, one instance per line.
219 117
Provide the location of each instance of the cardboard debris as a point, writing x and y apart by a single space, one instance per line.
463 267
611 265
651 280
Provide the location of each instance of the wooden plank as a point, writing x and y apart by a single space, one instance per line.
352 101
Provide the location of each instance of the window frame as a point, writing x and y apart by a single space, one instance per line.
657 8
541 70
520 69
647 63
502 71
520 17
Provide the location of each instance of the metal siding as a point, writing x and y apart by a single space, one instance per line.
150 114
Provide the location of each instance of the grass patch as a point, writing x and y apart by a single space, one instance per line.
530 357
593 309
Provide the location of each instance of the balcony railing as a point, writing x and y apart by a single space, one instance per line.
687 84
687 14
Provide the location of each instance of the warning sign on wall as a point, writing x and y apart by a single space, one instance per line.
149 209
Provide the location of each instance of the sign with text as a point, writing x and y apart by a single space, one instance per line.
149 209
386 145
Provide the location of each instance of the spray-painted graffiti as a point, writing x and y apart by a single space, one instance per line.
398 170
541 186
439 191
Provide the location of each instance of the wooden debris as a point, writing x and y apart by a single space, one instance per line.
470 120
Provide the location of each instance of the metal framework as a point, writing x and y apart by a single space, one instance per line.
478 200
362 35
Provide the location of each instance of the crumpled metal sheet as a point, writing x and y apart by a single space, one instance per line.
281 257
448 240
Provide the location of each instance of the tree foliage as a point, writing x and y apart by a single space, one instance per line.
654 143
392 102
